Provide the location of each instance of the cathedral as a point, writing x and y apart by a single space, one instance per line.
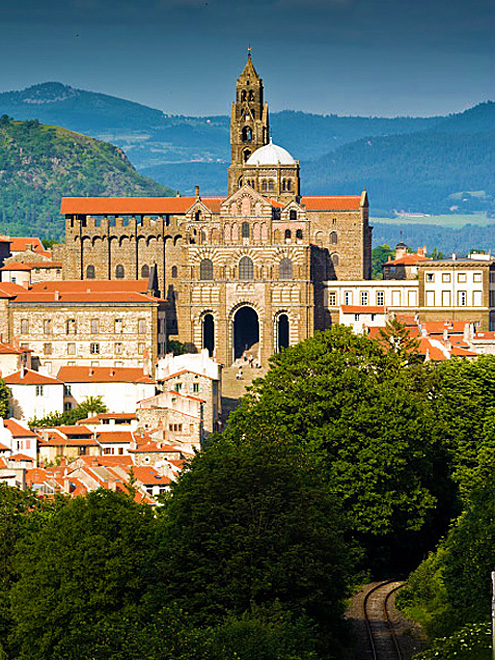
242 271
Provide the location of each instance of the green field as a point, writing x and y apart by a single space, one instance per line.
451 220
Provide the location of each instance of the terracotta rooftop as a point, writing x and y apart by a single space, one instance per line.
18 430
134 205
23 243
8 349
30 378
334 203
90 286
149 476
10 290
17 265
114 437
407 260
79 297
362 309
21 457
103 375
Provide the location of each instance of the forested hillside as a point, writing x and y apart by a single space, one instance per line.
40 164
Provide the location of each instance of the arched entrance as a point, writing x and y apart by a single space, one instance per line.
209 333
282 332
246 332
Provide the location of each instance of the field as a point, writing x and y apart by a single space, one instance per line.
452 221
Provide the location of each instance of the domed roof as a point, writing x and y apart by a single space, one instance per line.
270 154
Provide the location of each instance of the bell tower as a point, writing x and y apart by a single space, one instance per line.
249 125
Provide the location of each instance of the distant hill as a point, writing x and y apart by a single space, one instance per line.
39 164
430 171
151 137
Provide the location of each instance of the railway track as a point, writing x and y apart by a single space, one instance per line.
383 641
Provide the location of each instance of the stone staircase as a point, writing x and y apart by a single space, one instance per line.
234 388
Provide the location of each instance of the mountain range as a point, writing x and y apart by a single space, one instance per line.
440 164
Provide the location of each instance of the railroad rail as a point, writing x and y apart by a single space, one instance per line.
383 640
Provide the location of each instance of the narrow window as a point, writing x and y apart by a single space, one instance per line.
285 269
288 234
71 327
145 272
119 272
299 234
245 230
71 348
94 349
47 326
141 326
333 238
39 390
174 271
24 326
90 273
94 326
380 298
292 214
206 269
47 349
246 269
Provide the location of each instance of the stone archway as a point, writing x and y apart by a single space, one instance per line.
246 335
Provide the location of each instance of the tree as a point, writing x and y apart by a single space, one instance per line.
396 337
176 347
85 567
21 514
251 522
90 405
369 421
5 395
379 256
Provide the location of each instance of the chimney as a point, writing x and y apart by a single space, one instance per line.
422 251
196 192
400 250
112 372
177 194
56 296
23 371
454 256
91 372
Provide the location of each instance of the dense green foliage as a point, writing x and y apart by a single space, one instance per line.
365 414
5 395
40 164
90 405
471 642
379 256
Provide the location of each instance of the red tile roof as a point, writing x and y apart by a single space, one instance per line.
74 430
23 243
103 375
77 297
7 349
30 378
107 461
438 327
149 476
45 264
118 437
186 371
10 290
341 203
21 457
134 205
16 265
407 260
485 335
90 286
17 430
362 309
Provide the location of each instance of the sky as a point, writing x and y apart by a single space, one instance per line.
349 57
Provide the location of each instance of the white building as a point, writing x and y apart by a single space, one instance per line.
121 388
34 394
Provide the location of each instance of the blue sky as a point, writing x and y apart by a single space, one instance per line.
366 57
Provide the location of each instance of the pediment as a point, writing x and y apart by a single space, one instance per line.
245 192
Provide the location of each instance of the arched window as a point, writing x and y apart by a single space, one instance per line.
119 272
289 184
246 269
335 259
239 183
206 269
145 272
271 185
243 95
247 134
288 234
90 273
247 153
251 95
264 185
285 269
245 230
333 237
299 233
293 214
174 271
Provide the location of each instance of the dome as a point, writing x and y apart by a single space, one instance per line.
271 154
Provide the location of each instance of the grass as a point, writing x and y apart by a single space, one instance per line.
450 220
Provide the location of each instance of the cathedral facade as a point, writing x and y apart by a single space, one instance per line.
244 271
